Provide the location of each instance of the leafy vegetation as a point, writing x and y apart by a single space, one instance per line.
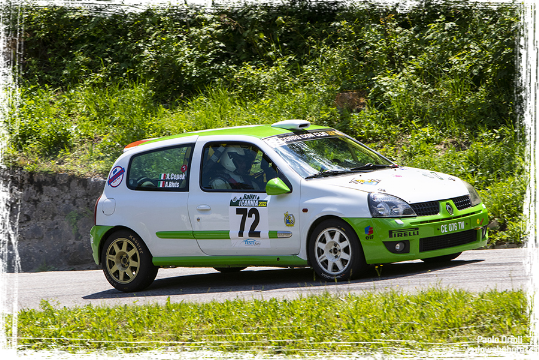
438 82
314 324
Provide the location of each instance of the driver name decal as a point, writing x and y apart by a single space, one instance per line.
170 180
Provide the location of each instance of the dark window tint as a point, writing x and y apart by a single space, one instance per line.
161 170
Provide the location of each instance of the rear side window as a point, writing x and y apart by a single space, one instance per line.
164 169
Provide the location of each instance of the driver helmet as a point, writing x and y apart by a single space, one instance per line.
237 159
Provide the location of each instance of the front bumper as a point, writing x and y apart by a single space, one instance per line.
386 240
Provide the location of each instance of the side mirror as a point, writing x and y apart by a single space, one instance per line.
276 187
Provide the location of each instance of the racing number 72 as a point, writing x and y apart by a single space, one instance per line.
244 212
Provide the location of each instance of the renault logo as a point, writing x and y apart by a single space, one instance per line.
449 208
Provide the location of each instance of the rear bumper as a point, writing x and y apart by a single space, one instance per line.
96 236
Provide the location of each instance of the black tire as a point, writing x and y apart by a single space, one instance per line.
225 270
443 258
335 240
127 262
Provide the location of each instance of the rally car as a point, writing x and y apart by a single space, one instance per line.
289 194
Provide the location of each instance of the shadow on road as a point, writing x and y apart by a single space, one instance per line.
251 279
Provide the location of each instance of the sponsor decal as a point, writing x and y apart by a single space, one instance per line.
449 208
365 182
369 232
170 180
116 176
432 175
403 233
289 219
184 168
450 178
251 243
397 175
480 222
248 200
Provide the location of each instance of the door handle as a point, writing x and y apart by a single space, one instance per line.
203 207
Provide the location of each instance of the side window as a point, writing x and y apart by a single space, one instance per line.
236 166
161 170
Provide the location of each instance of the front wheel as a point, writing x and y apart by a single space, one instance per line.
127 262
335 252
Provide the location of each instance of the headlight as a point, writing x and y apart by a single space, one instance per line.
383 205
474 196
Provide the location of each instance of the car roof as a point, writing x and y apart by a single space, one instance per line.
257 131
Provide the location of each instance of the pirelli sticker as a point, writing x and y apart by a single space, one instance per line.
402 233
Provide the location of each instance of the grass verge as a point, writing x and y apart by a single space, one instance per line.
346 323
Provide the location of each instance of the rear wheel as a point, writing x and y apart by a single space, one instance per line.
443 258
229 269
335 252
127 262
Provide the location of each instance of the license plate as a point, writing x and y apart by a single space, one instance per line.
453 227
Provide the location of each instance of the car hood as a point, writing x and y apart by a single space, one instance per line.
410 184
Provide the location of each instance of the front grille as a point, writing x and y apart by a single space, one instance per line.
462 202
426 208
447 241
433 207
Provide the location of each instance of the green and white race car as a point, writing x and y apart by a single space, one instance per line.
288 194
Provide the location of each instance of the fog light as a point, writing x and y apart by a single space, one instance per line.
398 247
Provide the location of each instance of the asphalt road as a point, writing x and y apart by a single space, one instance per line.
477 270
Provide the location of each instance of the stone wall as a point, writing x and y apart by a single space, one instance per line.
52 215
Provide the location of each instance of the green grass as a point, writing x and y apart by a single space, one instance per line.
324 323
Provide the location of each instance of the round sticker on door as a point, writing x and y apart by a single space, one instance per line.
184 168
116 176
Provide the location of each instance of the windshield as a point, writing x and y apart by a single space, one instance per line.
324 153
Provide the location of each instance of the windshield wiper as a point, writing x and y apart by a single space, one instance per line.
324 173
370 166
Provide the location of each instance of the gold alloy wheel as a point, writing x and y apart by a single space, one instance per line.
123 260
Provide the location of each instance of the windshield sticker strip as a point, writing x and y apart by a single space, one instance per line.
280 140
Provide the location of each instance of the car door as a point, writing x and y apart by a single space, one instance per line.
230 210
